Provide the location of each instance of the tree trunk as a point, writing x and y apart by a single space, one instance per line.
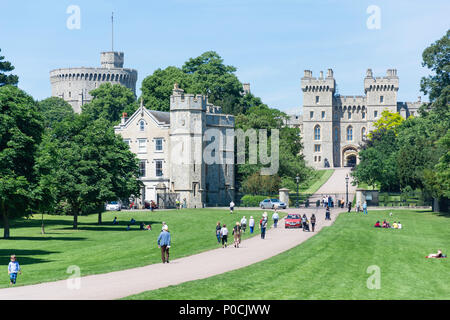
99 218
5 220
42 226
75 218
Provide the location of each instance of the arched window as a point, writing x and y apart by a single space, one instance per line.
317 132
142 125
349 133
363 133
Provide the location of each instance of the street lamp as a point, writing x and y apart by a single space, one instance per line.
346 190
297 178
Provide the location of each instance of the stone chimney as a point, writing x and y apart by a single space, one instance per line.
330 73
369 73
124 118
321 75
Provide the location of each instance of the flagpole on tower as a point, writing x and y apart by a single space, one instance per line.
112 31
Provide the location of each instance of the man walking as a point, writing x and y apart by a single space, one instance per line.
231 206
327 213
275 218
251 224
164 244
365 207
264 226
243 223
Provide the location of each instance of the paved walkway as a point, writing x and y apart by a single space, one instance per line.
121 284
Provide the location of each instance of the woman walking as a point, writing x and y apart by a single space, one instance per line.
251 224
224 235
313 221
218 227
237 234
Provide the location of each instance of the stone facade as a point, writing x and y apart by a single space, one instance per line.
170 146
75 84
333 126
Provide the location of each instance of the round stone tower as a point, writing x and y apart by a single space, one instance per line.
75 84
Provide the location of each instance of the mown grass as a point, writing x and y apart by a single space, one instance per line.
105 248
313 184
334 264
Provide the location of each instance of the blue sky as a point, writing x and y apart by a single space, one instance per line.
269 42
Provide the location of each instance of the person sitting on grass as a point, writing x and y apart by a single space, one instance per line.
385 224
395 225
141 226
132 221
377 224
436 255
399 225
128 227
115 220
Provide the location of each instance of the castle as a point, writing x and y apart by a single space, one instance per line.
171 146
74 84
333 126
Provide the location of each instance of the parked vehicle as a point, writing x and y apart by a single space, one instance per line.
293 221
271 203
113 206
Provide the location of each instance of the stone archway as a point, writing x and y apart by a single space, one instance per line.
349 156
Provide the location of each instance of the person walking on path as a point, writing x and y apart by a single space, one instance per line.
231 206
313 221
164 244
304 222
327 213
275 218
251 224
349 206
263 227
365 207
224 235
237 234
244 223
13 269
218 227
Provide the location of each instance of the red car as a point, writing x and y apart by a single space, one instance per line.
293 221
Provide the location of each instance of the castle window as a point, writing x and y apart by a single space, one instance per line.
315 158
319 158
142 143
142 168
317 99
317 148
363 115
158 144
349 133
381 99
375 114
159 171
70 94
349 115
142 125
311 114
323 114
317 132
363 133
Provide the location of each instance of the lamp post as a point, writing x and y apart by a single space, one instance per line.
346 190
297 179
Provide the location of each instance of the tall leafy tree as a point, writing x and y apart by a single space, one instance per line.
20 133
109 102
6 66
54 110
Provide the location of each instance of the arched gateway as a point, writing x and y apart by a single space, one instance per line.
349 156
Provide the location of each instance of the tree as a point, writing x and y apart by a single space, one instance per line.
388 121
109 102
84 163
20 133
436 58
6 66
54 110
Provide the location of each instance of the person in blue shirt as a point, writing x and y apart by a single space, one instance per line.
13 269
164 244
365 207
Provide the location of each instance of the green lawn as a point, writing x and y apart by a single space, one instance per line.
100 249
312 185
334 263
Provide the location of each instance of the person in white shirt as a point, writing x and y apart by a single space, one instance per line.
231 206
243 223
224 235
251 224
275 218
399 225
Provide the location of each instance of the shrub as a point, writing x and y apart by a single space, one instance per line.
249 200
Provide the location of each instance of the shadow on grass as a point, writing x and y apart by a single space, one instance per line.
105 226
44 238
23 256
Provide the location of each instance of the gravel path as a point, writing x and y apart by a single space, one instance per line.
121 284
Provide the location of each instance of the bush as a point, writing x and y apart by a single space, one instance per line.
249 200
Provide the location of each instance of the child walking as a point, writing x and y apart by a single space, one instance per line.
13 269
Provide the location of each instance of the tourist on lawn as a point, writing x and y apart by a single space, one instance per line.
218 227
313 221
237 234
178 204
436 255
275 218
358 206
148 227
395 225
132 221
163 224
251 224
141 226
263 227
115 220
224 235
13 269
164 244
128 227
399 225
244 223
231 206
327 213
365 207
377 224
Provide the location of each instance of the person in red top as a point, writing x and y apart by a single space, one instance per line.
377 225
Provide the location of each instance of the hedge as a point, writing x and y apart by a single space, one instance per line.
249 200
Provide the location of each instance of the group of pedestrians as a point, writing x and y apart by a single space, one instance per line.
358 207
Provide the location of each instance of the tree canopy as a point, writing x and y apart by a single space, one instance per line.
6 66
54 110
